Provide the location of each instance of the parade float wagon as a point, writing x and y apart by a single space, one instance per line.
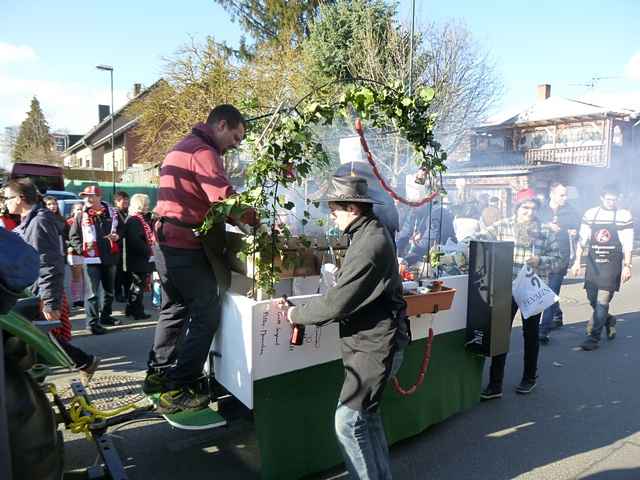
293 390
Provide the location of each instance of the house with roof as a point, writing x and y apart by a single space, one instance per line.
579 143
90 157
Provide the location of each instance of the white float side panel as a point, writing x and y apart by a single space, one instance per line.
272 353
253 339
234 366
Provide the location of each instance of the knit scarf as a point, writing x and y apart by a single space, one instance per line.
90 249
148 233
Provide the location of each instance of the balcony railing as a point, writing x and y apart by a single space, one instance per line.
593 156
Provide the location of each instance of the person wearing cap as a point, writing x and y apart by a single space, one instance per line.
94 233
192 179
606 232
536 246
367 303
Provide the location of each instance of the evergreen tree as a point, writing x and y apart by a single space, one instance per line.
284 22
34 143
346 34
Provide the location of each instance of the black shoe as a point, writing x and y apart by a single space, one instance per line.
88 370
543 339
78 304
98 329
526 386
589 344
110 321
142 316
491 392
121 299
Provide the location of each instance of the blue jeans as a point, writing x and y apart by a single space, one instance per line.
553 312
363 443
362 439
600 300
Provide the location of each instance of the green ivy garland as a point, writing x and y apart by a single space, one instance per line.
289 151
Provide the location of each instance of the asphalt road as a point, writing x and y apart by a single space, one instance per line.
581 422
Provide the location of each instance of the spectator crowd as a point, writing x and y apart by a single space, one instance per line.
107 249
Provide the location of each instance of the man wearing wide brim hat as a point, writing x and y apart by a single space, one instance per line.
367 302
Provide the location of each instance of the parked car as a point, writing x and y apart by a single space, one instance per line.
46 177
62 195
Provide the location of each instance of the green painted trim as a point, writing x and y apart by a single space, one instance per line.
76 186
17 326
294 412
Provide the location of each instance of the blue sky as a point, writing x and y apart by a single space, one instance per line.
50 49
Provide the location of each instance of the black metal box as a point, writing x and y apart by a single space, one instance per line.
489 297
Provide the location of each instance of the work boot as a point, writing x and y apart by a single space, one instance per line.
87 372
543 339
611 332
590 344
184 399
491 392
155 383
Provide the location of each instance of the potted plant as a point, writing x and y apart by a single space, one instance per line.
437 296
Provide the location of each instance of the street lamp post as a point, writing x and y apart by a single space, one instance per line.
109 68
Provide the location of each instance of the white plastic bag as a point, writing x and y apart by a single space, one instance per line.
532 294
328 277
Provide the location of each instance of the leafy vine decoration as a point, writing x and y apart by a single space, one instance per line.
287 150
